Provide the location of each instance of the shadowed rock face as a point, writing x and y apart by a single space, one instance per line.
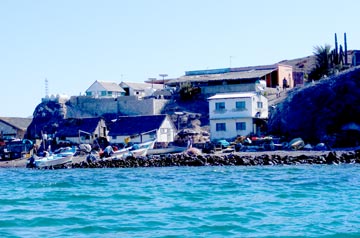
321 111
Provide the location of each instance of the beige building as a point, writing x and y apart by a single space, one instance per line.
13 127
243 79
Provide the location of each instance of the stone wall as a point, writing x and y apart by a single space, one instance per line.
126 105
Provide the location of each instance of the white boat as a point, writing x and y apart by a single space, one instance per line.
53 160
59 157
136 150
296 144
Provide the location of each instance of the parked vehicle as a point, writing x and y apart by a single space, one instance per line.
16 149
222 143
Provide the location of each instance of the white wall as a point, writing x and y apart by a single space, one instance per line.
231 115
231 131
166 133
231 111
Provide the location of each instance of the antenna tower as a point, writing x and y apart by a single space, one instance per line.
46 87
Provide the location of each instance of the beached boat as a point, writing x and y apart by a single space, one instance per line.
296 144
53 160
60 157
135 150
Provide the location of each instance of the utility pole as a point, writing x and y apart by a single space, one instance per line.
152 82
163 76
46 87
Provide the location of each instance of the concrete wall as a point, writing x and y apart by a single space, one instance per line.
285 71
212 90
121 105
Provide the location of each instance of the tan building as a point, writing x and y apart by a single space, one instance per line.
244 79
13 127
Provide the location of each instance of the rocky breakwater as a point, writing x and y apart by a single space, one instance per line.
233 159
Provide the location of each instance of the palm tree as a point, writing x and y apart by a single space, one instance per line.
323 67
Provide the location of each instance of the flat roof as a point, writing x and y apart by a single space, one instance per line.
250 74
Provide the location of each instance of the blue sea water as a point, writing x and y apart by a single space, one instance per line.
278 201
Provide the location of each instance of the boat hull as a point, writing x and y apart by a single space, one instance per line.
52 161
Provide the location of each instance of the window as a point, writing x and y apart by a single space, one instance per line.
88 94
220 127
240 126
219 106
110 93
240 105
259 104
103 93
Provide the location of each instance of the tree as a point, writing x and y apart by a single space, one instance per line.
187 91
323 67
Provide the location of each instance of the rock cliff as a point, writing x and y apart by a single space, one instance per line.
325 111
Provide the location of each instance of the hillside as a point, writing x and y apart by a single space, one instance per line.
326 111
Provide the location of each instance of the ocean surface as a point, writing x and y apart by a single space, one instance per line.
271 201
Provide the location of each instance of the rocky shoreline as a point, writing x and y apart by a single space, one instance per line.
233 159
264 158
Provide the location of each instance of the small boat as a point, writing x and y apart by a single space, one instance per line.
60 157
49 161
135 150
296 144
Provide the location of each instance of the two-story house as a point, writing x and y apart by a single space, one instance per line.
234 114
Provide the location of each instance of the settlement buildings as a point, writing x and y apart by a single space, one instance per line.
142 129
237 114
13 127
105 89
81 130
245 79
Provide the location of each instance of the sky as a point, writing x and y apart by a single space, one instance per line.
72 43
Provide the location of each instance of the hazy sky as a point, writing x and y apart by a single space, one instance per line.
72 43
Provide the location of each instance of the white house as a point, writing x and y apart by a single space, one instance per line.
81 130
142 129
140 89
234 114
105 89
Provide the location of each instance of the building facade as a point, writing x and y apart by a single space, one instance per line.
237 114
13 127
105 90
242 79
142 128
81 130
